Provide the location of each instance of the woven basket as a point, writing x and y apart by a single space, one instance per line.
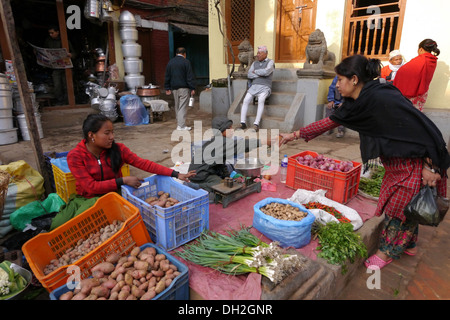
4 183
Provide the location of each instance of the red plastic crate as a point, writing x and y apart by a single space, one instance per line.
340 186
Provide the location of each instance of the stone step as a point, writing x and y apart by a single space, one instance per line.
270 110
284 86
282 98
267 122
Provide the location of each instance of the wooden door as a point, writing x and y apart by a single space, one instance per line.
296 20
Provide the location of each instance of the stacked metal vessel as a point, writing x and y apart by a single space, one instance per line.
132 51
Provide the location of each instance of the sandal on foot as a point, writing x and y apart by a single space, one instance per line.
375 262
409 253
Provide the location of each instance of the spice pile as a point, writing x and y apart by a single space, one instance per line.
241 252
283 211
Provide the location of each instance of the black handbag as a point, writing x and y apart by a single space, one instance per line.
426 207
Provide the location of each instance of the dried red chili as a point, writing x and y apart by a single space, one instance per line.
330 210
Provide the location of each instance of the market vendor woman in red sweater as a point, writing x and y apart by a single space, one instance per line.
409 145
96 161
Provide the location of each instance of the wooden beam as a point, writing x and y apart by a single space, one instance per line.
65 44
24 91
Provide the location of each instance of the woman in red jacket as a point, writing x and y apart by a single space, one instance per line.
96 161
414 78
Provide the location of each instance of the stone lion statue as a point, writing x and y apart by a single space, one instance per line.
245 55
317 54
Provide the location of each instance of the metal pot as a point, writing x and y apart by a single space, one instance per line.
6 100
95 103
108 105
148 92
127 19
134 66
249 167
134 81
131 50
3 78
128 33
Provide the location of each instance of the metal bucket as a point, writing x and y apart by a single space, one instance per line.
8 136
6 101
6 112
6 123
24 128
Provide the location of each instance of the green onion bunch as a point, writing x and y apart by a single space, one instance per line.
241 252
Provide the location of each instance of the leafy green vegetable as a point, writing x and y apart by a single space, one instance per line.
372 185
338 242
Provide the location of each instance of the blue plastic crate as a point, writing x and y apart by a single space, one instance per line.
178 289
177 225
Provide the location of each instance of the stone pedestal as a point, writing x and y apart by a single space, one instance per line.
205 103
220 101
315 91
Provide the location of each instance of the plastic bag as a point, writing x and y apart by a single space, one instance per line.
424 209
133 110
26 185
295 234
24 215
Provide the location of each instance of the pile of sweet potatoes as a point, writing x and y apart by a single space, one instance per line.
84 246
163 200
140 276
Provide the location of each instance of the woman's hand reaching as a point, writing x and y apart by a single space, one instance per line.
132 181
285 138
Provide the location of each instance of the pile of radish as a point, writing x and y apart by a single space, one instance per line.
323 163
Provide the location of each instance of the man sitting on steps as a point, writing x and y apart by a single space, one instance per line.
260 74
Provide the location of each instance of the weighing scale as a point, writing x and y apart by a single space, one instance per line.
233 189
225 194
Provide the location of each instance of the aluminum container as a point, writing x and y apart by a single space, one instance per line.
127 34
134 81
249 167
133 66
8 136
131 49
127 19
6 123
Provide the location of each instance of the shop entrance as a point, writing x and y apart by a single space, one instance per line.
32 20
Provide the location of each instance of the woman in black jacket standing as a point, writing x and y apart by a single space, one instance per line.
408 144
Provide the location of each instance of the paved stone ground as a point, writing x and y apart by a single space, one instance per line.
423 277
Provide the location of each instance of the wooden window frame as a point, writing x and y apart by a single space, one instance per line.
349 33
235 44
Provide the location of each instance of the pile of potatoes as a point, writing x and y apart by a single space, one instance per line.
83 247
163 200
283 211
140 276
